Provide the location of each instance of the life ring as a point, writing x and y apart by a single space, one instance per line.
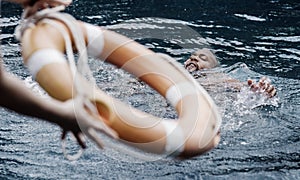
195 131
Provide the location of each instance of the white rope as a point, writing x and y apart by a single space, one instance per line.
50 16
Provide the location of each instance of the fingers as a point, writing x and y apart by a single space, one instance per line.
264 83
92 134
100 126
271 91
250 82
89 120
79 137
253 86
95 122
267 87
263 86
63 135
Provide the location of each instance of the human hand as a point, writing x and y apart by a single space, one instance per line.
263 86
83 122
33 6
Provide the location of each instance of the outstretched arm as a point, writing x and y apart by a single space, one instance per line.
16 96
205 59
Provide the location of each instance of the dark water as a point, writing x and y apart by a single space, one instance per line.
250 38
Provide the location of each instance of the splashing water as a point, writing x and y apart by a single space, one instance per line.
258 141
247 100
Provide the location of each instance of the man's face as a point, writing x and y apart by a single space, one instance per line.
201 59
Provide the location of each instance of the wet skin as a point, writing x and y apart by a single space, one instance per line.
201 59
205 59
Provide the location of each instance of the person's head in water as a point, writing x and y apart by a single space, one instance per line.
201 59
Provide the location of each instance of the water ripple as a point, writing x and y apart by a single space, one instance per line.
281 38
261 142
251 18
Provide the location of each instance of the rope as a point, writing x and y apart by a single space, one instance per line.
50 16
185 73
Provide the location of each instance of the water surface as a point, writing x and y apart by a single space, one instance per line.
250 38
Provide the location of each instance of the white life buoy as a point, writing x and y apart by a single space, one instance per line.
194 132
